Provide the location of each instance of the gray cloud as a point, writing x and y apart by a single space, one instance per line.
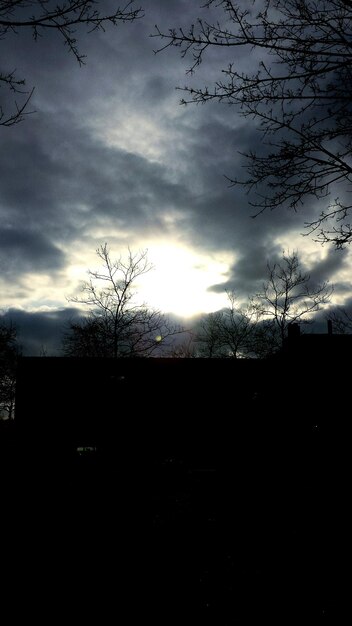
325 270
248 274
23 251
40 332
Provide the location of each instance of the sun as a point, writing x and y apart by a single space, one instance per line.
181 278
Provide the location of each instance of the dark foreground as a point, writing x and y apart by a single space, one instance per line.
251 526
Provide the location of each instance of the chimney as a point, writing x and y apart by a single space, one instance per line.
329 327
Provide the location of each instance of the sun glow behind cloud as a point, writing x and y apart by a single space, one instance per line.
178 283
180 280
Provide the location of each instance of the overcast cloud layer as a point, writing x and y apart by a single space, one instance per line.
110 155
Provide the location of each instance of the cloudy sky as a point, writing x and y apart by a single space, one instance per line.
109 155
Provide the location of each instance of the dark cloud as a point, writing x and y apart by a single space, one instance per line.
326 269
23 251
40 333
247 274
71 181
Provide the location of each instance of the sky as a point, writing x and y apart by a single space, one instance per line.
110 155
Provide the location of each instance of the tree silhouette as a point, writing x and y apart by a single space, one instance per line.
9 352
298 92
288 297
259 327
117 325
231 332
66 18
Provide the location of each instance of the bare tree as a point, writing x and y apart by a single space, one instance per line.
208 337
299 93
258 328
239 325
288 296
117 325
231 332
66 18
9 352
185 349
